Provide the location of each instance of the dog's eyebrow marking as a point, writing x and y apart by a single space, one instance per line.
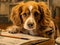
30 8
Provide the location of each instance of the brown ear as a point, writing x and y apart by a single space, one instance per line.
15 14
45 14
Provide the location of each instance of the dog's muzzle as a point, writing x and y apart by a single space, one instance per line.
30 23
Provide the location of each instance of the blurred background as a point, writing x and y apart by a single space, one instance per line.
6 6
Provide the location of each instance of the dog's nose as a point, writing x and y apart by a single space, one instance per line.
30 25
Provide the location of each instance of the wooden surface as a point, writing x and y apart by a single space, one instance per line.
23 39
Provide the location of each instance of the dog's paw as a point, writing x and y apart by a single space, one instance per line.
13 29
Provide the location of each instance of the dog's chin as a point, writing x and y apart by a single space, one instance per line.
29 28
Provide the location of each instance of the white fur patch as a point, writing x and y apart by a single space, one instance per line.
30 7
30 19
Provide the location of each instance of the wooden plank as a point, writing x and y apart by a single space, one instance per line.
23 39
19 35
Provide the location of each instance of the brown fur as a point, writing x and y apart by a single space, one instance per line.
44 20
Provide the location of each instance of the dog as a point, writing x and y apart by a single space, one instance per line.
33 18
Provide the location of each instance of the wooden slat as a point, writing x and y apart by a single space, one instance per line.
20 35
23 39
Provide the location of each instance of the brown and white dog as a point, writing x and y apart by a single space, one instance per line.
33 18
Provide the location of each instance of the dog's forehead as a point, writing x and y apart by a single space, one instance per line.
30 7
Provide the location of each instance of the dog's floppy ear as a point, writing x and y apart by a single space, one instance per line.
45 16
15 14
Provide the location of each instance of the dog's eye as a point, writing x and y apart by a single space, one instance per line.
25 14
36 13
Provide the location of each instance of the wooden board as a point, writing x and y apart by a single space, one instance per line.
23 39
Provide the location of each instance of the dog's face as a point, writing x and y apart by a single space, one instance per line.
31 16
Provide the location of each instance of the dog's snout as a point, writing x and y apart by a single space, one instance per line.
31 25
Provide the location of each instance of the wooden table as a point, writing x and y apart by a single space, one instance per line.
23 39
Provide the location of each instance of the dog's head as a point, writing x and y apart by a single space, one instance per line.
31 15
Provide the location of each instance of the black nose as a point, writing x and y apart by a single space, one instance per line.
30 25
